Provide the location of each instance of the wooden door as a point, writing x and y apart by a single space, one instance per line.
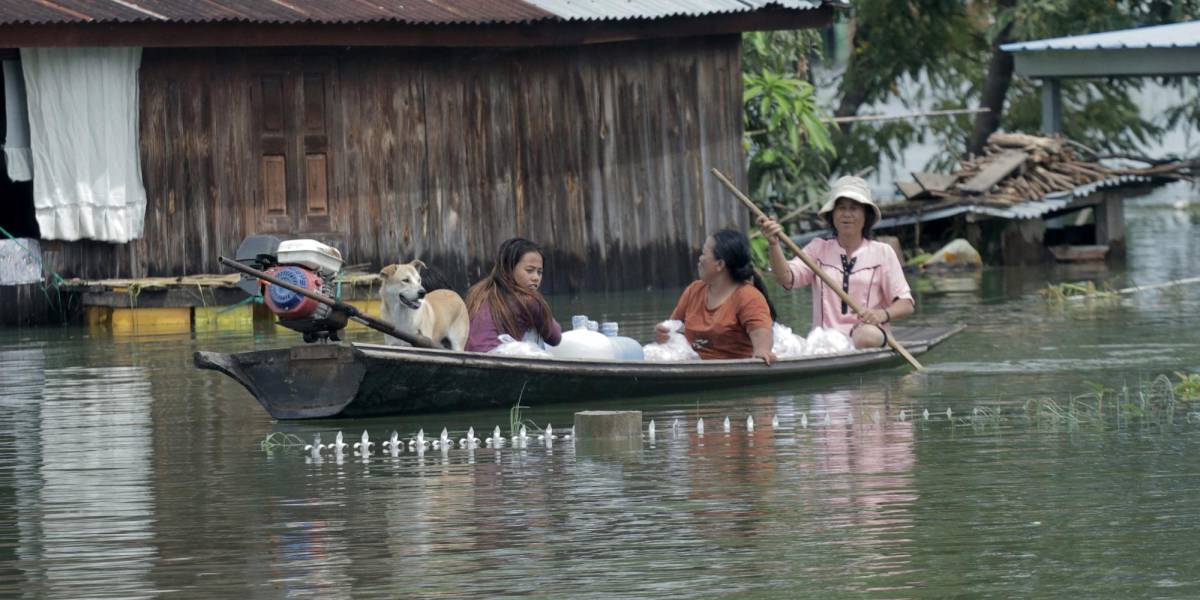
293 98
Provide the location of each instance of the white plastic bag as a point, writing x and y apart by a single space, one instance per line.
828 341
510 347
787 344
676 349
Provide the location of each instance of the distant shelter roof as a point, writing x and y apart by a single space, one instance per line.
1159 50
1175 35
389 22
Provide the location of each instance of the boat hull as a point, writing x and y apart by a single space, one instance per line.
363 380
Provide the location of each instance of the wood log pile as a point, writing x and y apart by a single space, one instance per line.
1017 167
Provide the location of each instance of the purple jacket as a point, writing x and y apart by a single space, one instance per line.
485 334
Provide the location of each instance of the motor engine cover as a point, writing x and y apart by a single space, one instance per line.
290 305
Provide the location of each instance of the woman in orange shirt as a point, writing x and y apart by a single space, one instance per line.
726 314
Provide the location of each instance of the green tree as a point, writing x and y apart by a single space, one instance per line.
955 47
787 137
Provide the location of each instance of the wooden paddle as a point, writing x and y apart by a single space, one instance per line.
833 285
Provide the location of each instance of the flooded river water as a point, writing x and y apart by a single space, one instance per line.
127 473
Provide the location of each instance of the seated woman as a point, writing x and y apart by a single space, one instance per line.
869 270
507 301
726 314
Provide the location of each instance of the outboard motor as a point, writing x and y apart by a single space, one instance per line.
306 264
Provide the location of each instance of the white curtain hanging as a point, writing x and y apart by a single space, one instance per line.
83 124
17 158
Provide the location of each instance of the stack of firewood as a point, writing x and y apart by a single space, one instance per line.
1016 167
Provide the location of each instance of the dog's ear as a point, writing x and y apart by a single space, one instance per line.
388 271
417 264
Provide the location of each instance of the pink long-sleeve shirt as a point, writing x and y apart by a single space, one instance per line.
876 280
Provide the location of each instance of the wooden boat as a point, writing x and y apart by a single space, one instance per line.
360 380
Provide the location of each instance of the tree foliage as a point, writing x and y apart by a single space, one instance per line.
952 60
787 137
932 54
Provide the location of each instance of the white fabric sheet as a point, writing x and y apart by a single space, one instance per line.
17 157
83 123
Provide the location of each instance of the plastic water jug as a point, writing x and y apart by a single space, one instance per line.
579 321
584 344
623 347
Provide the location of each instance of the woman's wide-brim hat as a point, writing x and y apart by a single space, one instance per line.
854 188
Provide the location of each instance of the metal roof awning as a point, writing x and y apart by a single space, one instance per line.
42 12
443 23
1030 209
1160 50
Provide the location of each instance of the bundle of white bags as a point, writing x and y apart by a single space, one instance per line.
787 344
511 347
676 349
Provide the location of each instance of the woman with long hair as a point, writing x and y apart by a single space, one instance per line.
726 313
507 301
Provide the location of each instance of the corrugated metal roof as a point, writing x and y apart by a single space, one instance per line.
588 10
1029 209
1177 35
13 12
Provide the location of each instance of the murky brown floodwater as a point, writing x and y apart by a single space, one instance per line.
126 473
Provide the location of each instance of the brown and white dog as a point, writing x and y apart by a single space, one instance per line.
440 315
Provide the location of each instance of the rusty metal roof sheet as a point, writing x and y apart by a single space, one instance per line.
29 12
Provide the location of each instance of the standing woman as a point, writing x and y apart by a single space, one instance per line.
869 270
726 314
507 301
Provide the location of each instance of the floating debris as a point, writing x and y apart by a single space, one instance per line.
749 422
903 416
700 426
674 426
775 422
849 418
949 414
726 425
650 430
925 414
804 420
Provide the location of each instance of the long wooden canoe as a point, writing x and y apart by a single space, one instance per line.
360 380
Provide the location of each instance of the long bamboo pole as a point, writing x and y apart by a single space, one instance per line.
808 261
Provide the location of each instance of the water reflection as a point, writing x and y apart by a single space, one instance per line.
95 504
128 473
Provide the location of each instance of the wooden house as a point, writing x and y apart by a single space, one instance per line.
396 130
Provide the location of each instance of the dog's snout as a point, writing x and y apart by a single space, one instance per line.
421 293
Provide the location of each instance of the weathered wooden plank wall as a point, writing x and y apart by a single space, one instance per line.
600 153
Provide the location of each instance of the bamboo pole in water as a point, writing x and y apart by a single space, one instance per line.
1139 288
